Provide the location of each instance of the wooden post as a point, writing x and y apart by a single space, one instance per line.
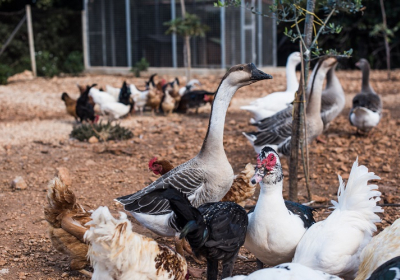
186 52
31 41
385 36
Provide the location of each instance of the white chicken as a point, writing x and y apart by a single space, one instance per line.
286 271
140 97
335 244
116 252
383 247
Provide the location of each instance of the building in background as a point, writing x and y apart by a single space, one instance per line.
120 32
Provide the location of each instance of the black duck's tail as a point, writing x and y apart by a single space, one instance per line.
188 219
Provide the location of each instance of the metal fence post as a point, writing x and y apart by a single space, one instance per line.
174 42
242 33
259 34
128 32
223 37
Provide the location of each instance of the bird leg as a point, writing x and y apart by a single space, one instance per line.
187 248
227 266
85 272
260 265
179 246
212 269
320 139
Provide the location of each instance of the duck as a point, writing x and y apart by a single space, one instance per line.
199 178
383 247
334 245
366 111
215 231
275 225
267 106
277 130
286 271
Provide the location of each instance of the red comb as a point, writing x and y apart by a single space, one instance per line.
152 161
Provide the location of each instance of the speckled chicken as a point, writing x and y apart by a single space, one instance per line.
241 188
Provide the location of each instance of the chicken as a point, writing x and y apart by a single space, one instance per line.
173 91
70 105
194 100
241 188
383 247
85 110
335 244
154 98
215 230
116 252
82 89
63 213
168 104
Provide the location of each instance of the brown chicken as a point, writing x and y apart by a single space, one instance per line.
154 97
70 105
66 218
241 188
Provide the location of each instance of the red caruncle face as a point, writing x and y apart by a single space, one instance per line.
268 162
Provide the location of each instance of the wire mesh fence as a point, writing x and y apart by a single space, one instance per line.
122 32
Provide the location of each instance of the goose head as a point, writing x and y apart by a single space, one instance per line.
294 58
268 169
362 63
244 74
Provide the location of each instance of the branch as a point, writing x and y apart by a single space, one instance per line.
322 28
300 35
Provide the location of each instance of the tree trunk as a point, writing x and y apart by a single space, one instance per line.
186 46
298 125
386 38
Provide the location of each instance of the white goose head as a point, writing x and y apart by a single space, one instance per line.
268 168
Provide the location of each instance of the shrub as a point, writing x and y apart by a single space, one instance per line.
102 131
46 64
5 72
141 65
74 63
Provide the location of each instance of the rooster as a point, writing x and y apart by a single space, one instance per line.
84 109
115 252
215 231
241 188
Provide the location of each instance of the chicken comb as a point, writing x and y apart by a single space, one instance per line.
151 162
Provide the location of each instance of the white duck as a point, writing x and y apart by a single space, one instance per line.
274 102
205 178
286 271
335 244
367 105
276 226
383 247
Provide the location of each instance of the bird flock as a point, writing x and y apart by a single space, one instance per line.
200 202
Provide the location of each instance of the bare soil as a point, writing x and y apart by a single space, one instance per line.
34 142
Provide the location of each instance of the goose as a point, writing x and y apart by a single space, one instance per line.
286 271
205 178
334 245
274 102
275 226
279 127
382 248
366 111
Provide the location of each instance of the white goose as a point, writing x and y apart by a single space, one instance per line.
286 271
277 129
205 178
276 226
367 105
276 101
335 244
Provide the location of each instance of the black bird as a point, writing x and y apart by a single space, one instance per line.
215 230
390 270
85 110
125 96
193 100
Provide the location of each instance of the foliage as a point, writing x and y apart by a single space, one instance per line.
102 131
74 63
46 64
5 72
189 26
140 66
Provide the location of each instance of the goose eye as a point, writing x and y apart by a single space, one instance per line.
241 68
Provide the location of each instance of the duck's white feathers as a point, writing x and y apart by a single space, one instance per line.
383 247
334 245
116 252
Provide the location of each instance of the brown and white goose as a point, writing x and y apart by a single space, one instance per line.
205 178
277 130
367 105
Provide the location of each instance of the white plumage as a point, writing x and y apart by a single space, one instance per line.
113 91
286 271
383 247
364 118
334 245
140 97
101 97
116 252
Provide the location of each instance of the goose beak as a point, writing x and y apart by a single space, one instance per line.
258 75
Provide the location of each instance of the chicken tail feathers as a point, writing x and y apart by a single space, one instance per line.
358 195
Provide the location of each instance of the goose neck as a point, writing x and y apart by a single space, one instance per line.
314 102
291 79
213 142
366 87
270 195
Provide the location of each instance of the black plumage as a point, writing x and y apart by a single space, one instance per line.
125 96
305 213
215 231
84 109
390 270
193 100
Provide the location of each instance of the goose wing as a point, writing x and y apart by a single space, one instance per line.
370 101
275 134
186 178
279 117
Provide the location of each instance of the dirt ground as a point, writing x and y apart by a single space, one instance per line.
34 142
